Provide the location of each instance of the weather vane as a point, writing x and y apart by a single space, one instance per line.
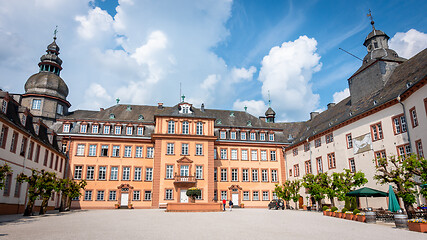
55 32
372 19
117 100
269 101
183 97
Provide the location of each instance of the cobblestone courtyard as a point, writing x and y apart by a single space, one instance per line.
157 224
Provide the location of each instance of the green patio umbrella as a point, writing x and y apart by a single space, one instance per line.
424 186
393 204
367 192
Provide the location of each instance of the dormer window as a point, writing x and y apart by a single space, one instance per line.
37 103
218 121
117 130
271 137
185 108
243 136
233 135
66 128
24 119
249 123
95 128
375 45
171 127
4 106
129 130
222 134
262 136
140 117
83 128
106 129
253 136
112 116
140 131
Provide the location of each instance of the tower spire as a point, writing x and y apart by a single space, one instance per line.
55 32
372 19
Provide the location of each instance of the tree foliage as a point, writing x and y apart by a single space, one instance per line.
4 171
294 187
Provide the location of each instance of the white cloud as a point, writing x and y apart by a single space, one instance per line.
286 73
97 21
339 96
96 95
256 108
408 44
242 74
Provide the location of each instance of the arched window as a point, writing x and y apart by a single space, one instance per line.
171 127
199 129
185 127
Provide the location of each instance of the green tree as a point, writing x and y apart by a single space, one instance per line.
74 190
34 190
314 188
347 181
294 187
282 191
418 166
47 184
4 171
330 190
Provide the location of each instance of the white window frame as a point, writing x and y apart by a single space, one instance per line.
242 135
129 130
168 194
244 154
262 136
66 128
80 150
107 129
265 196
264 175
223 134
95 128
78 172
271 137
128 151
245 175
171 127
185 127
114 174
253 136
102 173
234 174
136 195
255 195
139 151
254 155
36 104
150 152
246 196
223 174
116 151
223 153
137 174
199 149
273 175
233 135
254 175
184 148
126 174
263 155
117 130
199 128
199 172
149 174
83 128
169 171
233 154
92 150
140 131
170 149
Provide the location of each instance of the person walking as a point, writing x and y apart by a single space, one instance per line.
230 204
223 203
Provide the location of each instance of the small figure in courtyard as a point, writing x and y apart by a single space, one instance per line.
223 203
230 204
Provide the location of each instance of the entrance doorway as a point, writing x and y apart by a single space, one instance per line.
235 199
124 200
184 197
300 202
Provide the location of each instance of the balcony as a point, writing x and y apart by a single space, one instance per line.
185 179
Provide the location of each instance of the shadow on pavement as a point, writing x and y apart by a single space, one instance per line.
21 219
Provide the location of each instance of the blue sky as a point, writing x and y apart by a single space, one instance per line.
227 54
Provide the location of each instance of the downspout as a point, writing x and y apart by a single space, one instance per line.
407 125
23 169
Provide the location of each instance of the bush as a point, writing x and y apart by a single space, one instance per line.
344 210
333 209
356 211
325 207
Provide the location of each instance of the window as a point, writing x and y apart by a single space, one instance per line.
414 118
377 132
403 150
262 136
215 153
271 137
66 128
274 175
117 130
185 170
107 129
263 155
253 136
17 193
136 195
243 136
254 175
14 142
112 196
244 154
245 195
147 195
215 174
184 149
150 152
290 172
126 173
30 150
129 130
80 150
419 148
201 195
37 154
128 151
171 127
92 150
223 134
223 195
234 174
46 156
60 109
352 165
170 148
349 141
140 131
116 151
329 138
88 195
233 154
318 142
306 147
255 196
83 128
23 146
114 173
199 172
3 136
254 155
223 153
4 106
265 196
319 165
100 196
137 174
296 170
223 174
331 160
78 172
199 128
199 149
233 135
104 150
185 127
102 173
275 196
245 175
95 128
168 194
169 171
273 156
7 185
149 174
399 124
138 152
37 103
295 151
90 174
378 155
264 175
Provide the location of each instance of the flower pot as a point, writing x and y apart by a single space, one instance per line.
338 214
242 205
349 216
361 218
417 227
116 206
304 207
354 217
343 215
328 213
324 213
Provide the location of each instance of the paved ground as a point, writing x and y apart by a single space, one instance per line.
157 224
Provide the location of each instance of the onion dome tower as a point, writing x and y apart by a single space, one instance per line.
45 92
270 114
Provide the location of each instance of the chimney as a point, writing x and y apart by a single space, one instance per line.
330 105
262 118
101 109
160 105
202 107
313 114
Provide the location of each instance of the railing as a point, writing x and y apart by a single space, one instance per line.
185 179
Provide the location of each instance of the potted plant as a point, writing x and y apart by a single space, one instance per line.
417 225
242 205
349 215
324 209
193 193
355 212
328 212
116 206
130 206
334 211
304 207
361 217
343 212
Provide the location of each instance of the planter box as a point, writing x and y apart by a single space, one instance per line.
354 217
349 216
361 218
194 207
342 215
338 214
328 213
417 227
324 213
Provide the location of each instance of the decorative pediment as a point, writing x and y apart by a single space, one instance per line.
234 187
125 185
184 160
